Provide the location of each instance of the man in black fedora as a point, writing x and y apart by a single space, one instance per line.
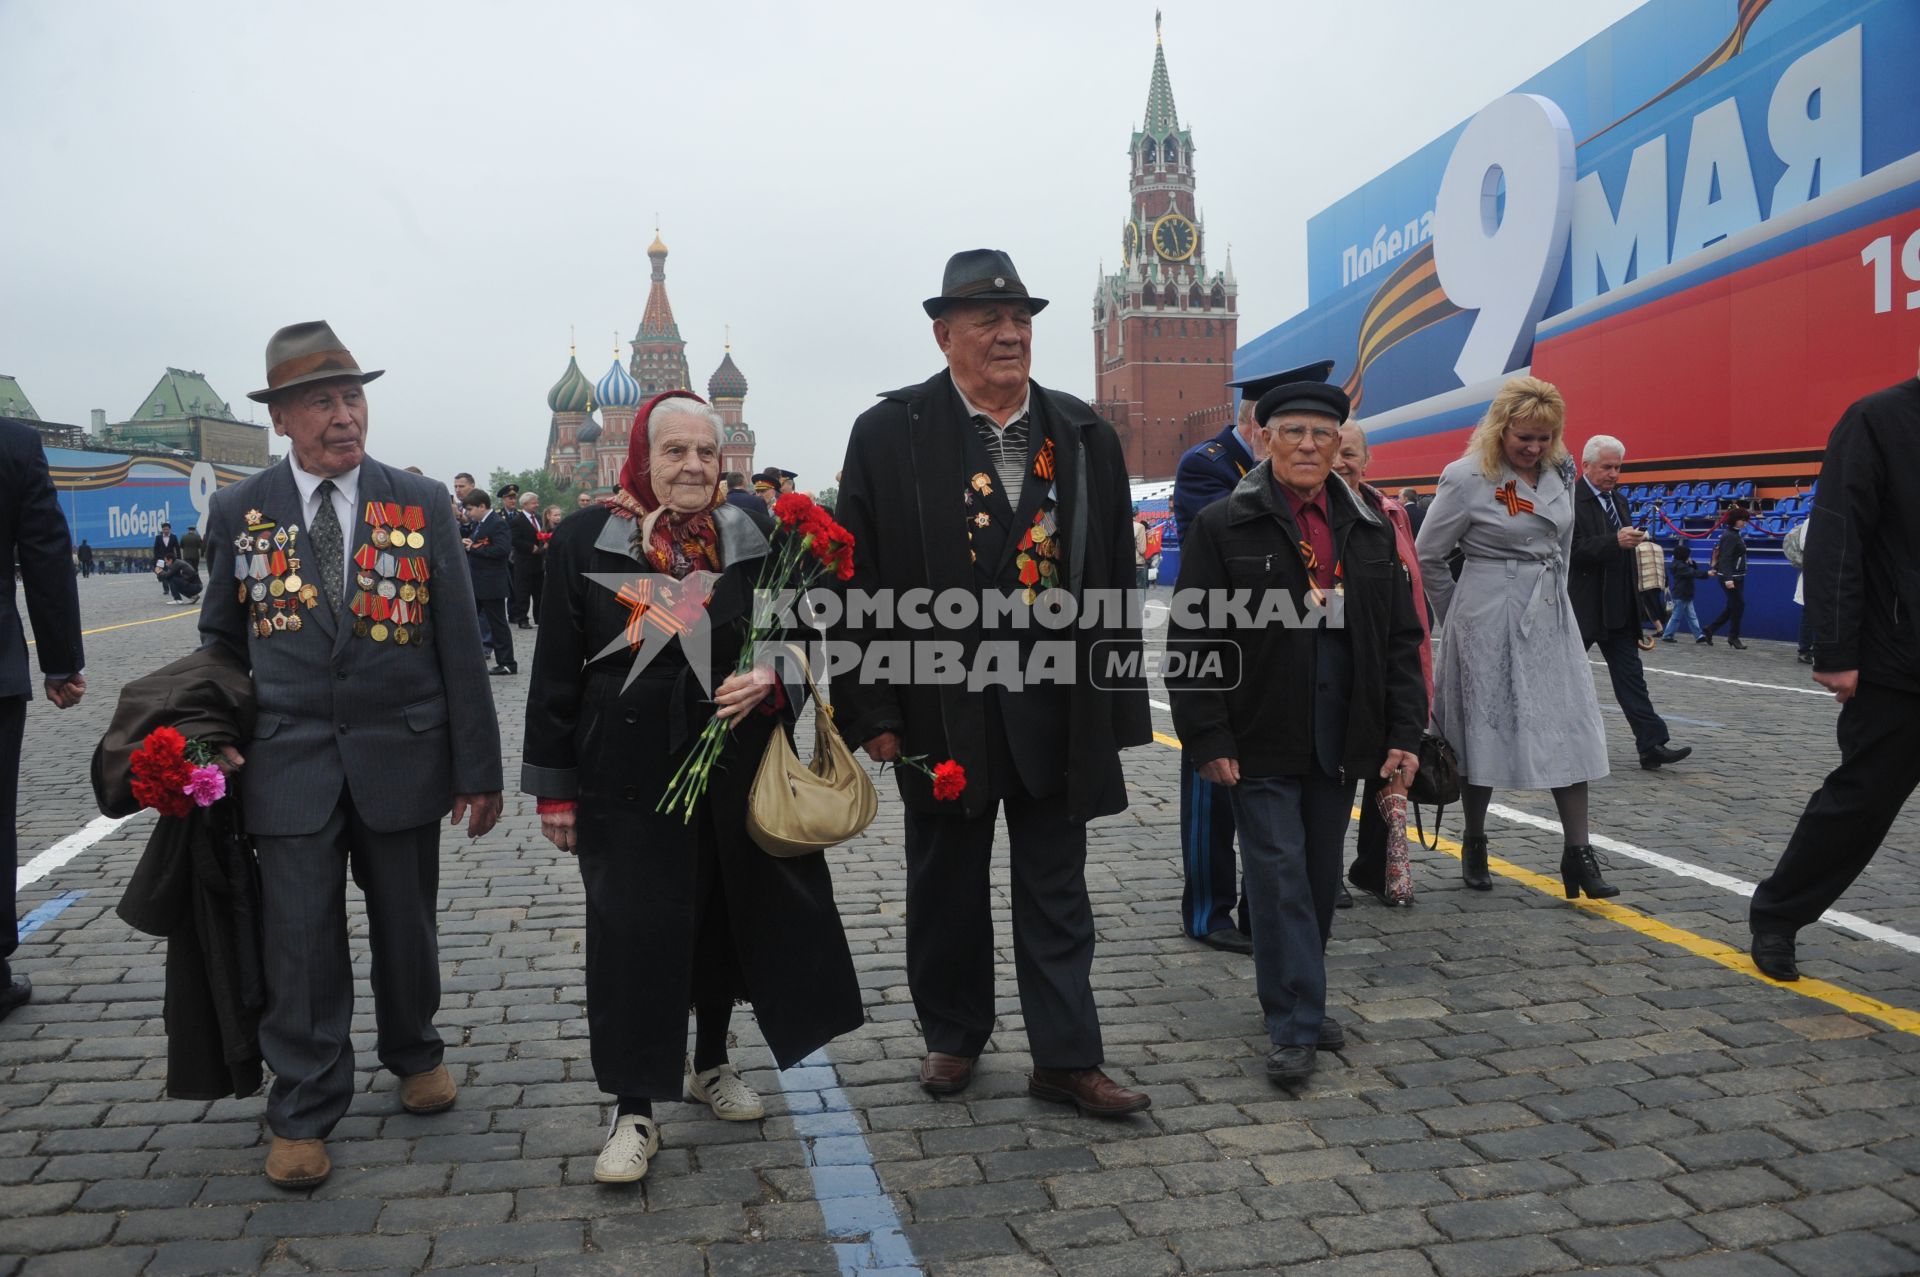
979 482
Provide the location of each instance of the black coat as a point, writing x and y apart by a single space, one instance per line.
522 532
197 885
1249 542
166 547
1862 563
902 496
1601 579
487 557
1686 573
33 533
1730 556
613 746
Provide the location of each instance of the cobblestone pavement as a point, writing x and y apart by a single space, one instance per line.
1530 1087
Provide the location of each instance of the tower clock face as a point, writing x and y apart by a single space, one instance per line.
1175 238
1130 241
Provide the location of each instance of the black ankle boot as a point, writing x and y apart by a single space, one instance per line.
1473 863
1580 871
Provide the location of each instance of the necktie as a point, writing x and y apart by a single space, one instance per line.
1613 514
328 544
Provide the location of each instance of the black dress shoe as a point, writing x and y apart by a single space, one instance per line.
1773 954
1705 638
15 990
1332 1036
1736 643
1663 753
1668 638
1229 940
1287 1065
525 625
1806 658
1344 900
1473 863
1580 871
1378 892
504 669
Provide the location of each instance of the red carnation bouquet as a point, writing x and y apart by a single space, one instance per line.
949 778
173 775
813 548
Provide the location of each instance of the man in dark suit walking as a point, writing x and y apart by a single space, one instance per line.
1602 583
1862 542
166 548
33 540
489 547
523 528
341 583
978 483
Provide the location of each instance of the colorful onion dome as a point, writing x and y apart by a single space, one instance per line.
573 392
617 389
589 433
727 382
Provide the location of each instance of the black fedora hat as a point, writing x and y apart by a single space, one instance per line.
981 275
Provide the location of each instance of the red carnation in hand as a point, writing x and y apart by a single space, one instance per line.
949 781
793 509
160 772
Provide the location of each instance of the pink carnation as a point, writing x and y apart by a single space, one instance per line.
206 785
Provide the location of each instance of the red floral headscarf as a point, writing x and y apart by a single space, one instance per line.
676 544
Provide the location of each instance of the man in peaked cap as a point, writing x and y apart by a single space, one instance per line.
1207 472
341 584
979 481
1300 708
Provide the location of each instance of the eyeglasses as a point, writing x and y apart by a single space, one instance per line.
1322 435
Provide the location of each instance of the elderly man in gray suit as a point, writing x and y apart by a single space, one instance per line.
341 581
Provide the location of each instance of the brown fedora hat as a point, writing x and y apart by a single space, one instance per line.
300 353
980 275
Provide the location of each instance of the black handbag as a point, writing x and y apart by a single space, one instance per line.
1437 783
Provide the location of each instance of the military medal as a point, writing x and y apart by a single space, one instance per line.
407 592
242 591
378 632
309 595
415 518
259 591
386 589
293 621
982 484
360 628
401 636
293 583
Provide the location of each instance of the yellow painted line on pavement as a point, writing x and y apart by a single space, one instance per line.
127 625
1712 950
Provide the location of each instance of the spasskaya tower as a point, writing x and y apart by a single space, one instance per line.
1164 329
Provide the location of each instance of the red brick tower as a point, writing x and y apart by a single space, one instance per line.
659 356
1164 329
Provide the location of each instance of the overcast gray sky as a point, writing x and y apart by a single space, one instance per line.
454 185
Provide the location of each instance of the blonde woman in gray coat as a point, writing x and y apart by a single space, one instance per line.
1512 690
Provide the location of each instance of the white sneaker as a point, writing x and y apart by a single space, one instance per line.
632 1140
722 1090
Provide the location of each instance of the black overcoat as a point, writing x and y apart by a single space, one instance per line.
613 746
1602 579
901 496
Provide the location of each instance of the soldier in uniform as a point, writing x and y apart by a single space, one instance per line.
1208 472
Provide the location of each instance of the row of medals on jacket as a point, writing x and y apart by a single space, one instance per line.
391 587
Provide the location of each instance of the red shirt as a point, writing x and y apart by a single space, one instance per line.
1316 534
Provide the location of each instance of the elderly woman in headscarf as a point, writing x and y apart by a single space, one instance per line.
679 913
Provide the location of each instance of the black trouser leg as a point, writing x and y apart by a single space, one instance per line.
950 929
13 728
495 612
1053 936
1848 818
1210 865
1369 869
1621 648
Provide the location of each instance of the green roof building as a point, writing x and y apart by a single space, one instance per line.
14 402
182 413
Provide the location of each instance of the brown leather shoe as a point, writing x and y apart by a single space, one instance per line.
298 1163
1089 1090
431 1092
943 1074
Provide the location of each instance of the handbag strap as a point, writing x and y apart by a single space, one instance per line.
823 723
1420 833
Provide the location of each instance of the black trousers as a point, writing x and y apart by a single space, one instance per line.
304 1034
13 730
1848 818
493 615
1369 869
1209 863
1621 650
521 571
1730 614
535 588
950 945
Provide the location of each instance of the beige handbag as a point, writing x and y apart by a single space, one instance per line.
795 809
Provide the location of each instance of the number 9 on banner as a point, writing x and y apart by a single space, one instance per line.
1503 260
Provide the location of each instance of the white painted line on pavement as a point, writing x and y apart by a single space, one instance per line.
66 849
1713 877
1714 678
1161 705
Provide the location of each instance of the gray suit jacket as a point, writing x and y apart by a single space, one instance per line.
403 728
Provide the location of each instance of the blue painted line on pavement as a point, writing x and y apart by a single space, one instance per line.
43 914
859 1215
